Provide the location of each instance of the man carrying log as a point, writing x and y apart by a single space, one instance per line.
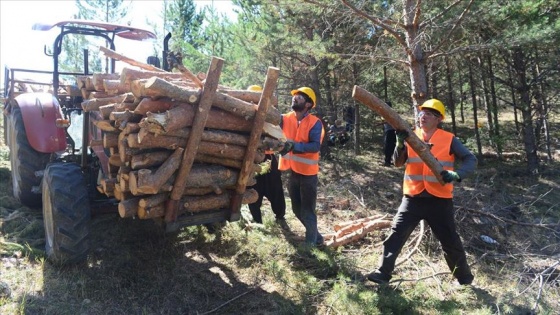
425 198
269 185
300 154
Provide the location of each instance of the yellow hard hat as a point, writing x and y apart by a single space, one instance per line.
254 88
307 91
436 105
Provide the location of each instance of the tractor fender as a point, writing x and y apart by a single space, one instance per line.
40 112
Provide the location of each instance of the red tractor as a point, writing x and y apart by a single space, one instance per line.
51 165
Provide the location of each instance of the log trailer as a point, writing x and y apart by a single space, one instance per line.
151 146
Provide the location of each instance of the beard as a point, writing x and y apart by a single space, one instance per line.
297 106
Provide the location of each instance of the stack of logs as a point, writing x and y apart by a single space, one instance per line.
147 117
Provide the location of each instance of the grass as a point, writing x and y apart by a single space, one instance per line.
135 268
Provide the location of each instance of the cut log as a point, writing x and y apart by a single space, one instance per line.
183 116
227 151
108 186
222 139
106 110
244 109
209 202
115 160
152 212
356 231
249 96
157 87
110 140
339 226
149 159
121 107
97 80
122 118
128 75
128 208
115 87
105 125
393 118
131 128
213 177
151 201
148 105
150 182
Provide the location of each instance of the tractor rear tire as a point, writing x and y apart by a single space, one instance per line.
66 214
25 162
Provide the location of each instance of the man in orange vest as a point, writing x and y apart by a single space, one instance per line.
300 155
425 198
269 185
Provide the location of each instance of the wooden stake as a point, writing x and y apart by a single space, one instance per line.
213 77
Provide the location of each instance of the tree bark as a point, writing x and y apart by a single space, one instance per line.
128 75
183 116
94 104
150 182
209 202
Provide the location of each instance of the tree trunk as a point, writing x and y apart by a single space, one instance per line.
520 72
475 112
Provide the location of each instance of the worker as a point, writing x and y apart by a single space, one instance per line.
389 141
300 155
269 185
337 134
425 198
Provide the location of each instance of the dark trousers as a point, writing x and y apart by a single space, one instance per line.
389 142
269 185
303 194
439 214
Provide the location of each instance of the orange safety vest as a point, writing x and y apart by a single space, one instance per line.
418 176
301 163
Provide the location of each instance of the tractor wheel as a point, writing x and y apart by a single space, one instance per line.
25 162
66 213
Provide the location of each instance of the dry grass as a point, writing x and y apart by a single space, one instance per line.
134 268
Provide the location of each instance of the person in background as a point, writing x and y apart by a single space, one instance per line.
300 155
269 185
337 134
425 198
389 141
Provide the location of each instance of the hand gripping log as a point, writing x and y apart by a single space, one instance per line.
377 105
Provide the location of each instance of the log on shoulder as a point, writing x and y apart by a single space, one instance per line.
393 118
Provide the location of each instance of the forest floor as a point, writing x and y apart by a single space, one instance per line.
135 268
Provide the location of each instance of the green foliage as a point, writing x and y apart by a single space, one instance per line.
72 57
185 23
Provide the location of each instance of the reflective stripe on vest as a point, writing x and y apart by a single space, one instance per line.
301 163
419 177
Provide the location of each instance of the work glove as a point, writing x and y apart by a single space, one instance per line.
449 176
288 147
401 135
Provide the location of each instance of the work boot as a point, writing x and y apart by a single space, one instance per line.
283 224
378 277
